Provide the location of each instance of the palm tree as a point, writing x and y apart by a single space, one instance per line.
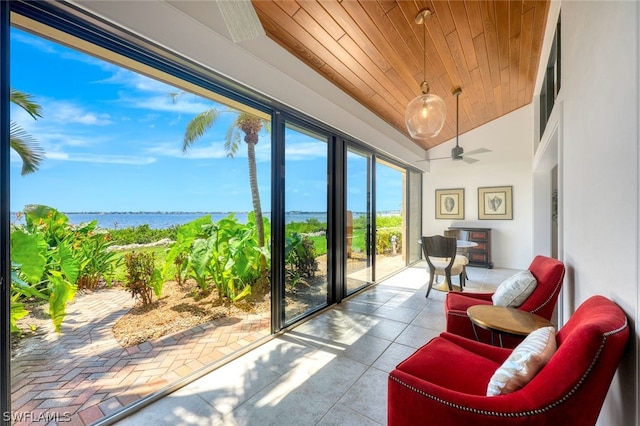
22 142
247 124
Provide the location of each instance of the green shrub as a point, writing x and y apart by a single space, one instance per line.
384 240
300 258
311 226
142 234
143 278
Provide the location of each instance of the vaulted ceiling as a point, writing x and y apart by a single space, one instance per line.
373 50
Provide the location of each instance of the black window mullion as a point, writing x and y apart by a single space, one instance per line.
277 222
374 212
5 208
337 226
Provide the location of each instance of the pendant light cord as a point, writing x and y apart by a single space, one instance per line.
457 116
424 51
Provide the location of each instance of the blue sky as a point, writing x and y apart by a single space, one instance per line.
113 142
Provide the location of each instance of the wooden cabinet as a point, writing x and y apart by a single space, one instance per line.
479 255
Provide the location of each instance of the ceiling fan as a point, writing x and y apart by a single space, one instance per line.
457 152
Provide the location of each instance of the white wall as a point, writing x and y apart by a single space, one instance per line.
509 164
600 171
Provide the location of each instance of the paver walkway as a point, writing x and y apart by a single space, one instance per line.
83 374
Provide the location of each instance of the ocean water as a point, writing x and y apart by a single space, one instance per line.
166 220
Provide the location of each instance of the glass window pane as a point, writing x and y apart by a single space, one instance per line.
358 220
306 221
390 219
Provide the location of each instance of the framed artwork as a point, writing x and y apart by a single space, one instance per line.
495 203
450 203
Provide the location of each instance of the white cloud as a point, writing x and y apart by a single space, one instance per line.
198 152
67 112
101 158
38 43
306 151
133 80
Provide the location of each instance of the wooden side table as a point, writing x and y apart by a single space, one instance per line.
501 320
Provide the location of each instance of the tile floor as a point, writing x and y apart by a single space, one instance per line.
331 370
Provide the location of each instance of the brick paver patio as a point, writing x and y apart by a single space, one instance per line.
83 374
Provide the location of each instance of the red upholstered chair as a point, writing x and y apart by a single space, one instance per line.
445 381
549 274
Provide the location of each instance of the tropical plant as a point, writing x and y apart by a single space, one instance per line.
96 260
42 270
143 278
21 141
300 258
49 256
224 254
245 124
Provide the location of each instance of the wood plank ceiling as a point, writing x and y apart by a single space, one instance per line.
373 50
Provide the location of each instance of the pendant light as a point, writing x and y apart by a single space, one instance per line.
425 114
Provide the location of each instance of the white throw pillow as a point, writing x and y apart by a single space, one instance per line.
526 360
515 290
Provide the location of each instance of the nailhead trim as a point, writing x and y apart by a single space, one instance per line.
557 289
520 413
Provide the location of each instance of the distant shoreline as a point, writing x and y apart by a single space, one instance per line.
163 220
293 212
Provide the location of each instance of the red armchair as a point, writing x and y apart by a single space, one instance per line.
548 272
445 381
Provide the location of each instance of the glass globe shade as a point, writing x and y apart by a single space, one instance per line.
425 116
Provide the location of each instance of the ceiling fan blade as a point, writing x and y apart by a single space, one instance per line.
476 151
469 160
431 159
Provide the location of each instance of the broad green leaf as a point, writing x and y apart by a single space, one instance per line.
27 250
68 263
157 283
17 312
19 286
62 292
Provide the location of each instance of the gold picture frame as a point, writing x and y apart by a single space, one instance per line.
495 203
450 203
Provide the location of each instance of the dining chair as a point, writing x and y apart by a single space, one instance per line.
460 235
440 254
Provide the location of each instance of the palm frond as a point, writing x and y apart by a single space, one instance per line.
232 140
26 147
25 101
198 126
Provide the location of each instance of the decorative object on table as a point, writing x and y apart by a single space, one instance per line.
445 382
549 274
457 152
425 114
450 203
495 203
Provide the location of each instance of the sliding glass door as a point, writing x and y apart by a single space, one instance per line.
359 267
391 213
305 199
